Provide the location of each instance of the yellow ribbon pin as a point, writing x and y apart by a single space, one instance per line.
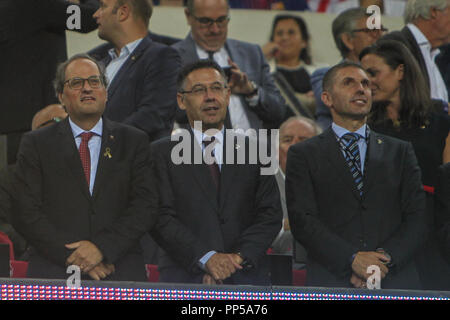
107 153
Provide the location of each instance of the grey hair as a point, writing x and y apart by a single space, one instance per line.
317 129
190 5
421 9
60 77
345 23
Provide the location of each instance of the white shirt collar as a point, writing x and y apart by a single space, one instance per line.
126 50
422 40
76 130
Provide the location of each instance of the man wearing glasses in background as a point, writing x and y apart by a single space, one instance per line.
83 192
255 101
351 35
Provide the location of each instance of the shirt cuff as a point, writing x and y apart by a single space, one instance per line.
253 101
203 260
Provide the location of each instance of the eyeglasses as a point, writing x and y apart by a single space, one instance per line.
200 90
367 30
77 83
208 22
55 120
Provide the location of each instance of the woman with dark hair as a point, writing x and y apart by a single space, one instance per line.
402 108
288 54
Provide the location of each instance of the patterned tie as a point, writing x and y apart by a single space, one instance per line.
85 155
349 142
214 167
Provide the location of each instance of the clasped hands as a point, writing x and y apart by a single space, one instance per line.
89 258
362 261
221 266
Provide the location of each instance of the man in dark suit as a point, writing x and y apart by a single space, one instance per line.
428 28
255 101
32 43
217 219
83 187
354 197
142 73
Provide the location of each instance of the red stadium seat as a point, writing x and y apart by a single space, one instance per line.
18 268
152 272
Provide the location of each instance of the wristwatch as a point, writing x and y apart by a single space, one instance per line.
246 263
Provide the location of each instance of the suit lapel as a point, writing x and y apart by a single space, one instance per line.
106 157
72 157
188 51
201 174
129 63
336 158
416 51
374 157
228 171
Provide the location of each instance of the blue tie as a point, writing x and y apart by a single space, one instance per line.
353 158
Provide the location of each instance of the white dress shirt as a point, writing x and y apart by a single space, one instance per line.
94 145
437 84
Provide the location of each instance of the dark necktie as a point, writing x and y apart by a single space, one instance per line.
210 55
214 167
349 142
85 155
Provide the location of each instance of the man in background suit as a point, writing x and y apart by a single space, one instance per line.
355 197
32 43
351 36
142 73
255 101
217 220
292 131
83 187
427 28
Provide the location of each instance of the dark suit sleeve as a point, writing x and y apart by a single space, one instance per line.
329 249
257 238
170 234
323 114
29 218
271 107
141 212
443 208
403 244
54 14
155 108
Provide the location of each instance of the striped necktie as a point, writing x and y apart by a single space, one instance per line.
349 142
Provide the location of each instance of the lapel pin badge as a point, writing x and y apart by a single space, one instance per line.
380 141
107 153
237 146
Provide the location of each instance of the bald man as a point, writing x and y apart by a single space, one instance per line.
292 131
51 114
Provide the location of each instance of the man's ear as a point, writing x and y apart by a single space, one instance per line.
180 100
124 12
60 99
347 39
188 15
327 99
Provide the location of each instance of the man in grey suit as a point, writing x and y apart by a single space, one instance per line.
255 101
292 131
